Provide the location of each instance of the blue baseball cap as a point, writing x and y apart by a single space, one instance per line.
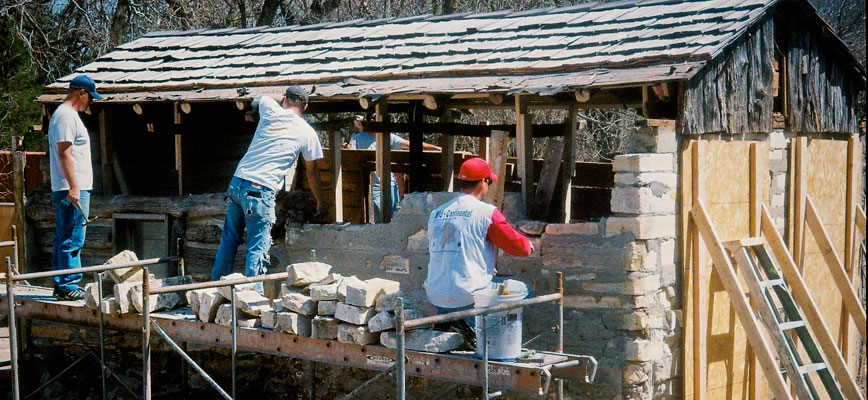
85 83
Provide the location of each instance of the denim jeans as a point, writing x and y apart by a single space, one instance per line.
250 208
68 237
377 199
514 286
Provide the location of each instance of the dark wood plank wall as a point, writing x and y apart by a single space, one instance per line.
821 93
733 93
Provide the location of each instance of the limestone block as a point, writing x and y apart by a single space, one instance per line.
636 284
326 307
667 251
324 328
778 139
425 340
777 155
91 294
162 301
210 301
109 305
644 162
285 290
667 179
638 259
251 302
643 226
779 182
636 373
271 289
296 324
268 319
224 317
324 292
358 334
589 252
385 320
642 200
530 227
303 274
389 301
365 295
582 228
645 350
194 298
353 314
395 263
121 275
347 281
330 279
299 303
226 291
418 241
122 294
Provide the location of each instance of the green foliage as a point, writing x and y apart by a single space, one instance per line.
20 84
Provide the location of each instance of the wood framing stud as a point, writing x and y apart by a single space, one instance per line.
337 174
568 167
384 165
698 281
524 151
447 162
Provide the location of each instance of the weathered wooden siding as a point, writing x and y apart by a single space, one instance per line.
733 93
821 95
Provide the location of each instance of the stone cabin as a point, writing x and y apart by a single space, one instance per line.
741 101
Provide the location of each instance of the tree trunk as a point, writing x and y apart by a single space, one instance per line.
242 10
269 11
120 22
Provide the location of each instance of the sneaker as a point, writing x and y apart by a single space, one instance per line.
460 326
72 295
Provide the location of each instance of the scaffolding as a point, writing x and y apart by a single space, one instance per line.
529 376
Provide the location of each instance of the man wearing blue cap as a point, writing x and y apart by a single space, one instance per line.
71 181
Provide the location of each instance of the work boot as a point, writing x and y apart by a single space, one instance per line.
72 295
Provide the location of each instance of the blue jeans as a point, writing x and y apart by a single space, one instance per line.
68 238
377 199
250 208
514 286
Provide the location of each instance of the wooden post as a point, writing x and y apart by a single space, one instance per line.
547 180
417 172
337 174
106 153
498 153
755 190
568 168
524 151
178 148
483 147
800 182
384 164
699 279
848 348
447 163
18 193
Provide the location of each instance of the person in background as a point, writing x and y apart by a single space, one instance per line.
366 141
280 136
71 182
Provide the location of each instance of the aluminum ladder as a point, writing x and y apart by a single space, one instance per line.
779 313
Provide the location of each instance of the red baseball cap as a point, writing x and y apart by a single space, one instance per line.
475 169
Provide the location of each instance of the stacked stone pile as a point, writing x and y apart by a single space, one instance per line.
123 293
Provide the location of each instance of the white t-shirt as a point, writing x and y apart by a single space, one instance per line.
367 141
280 136
461 258
66 126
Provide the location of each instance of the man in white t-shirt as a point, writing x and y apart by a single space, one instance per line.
71 182
280 136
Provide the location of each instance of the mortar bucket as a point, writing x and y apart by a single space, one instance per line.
503 329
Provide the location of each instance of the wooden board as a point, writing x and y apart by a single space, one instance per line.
724 187
7 211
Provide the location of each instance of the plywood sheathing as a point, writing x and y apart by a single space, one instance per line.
724 187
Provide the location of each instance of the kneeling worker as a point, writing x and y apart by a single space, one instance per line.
462 235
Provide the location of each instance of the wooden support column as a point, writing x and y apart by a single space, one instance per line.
178 148
524 151
849 347
106 153
497 161
568 168
18 193
800 183
417 172
699 279
336 171
447 163
756 375
384 164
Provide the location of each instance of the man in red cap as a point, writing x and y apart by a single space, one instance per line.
462 235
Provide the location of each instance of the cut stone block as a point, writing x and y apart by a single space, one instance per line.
385 320
324 328
267 319
324 292
347 281
192 300
642 227
122 294
91 293
332 278
252 302
365 295
418 241
303 274
425 340
299 303
285 290
353 314
226 291
296 324
209 301
358 334
109 305
121 275
162 301
271 289
389 302
326 307
644 162
224 317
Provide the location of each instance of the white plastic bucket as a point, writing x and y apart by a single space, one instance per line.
503 329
